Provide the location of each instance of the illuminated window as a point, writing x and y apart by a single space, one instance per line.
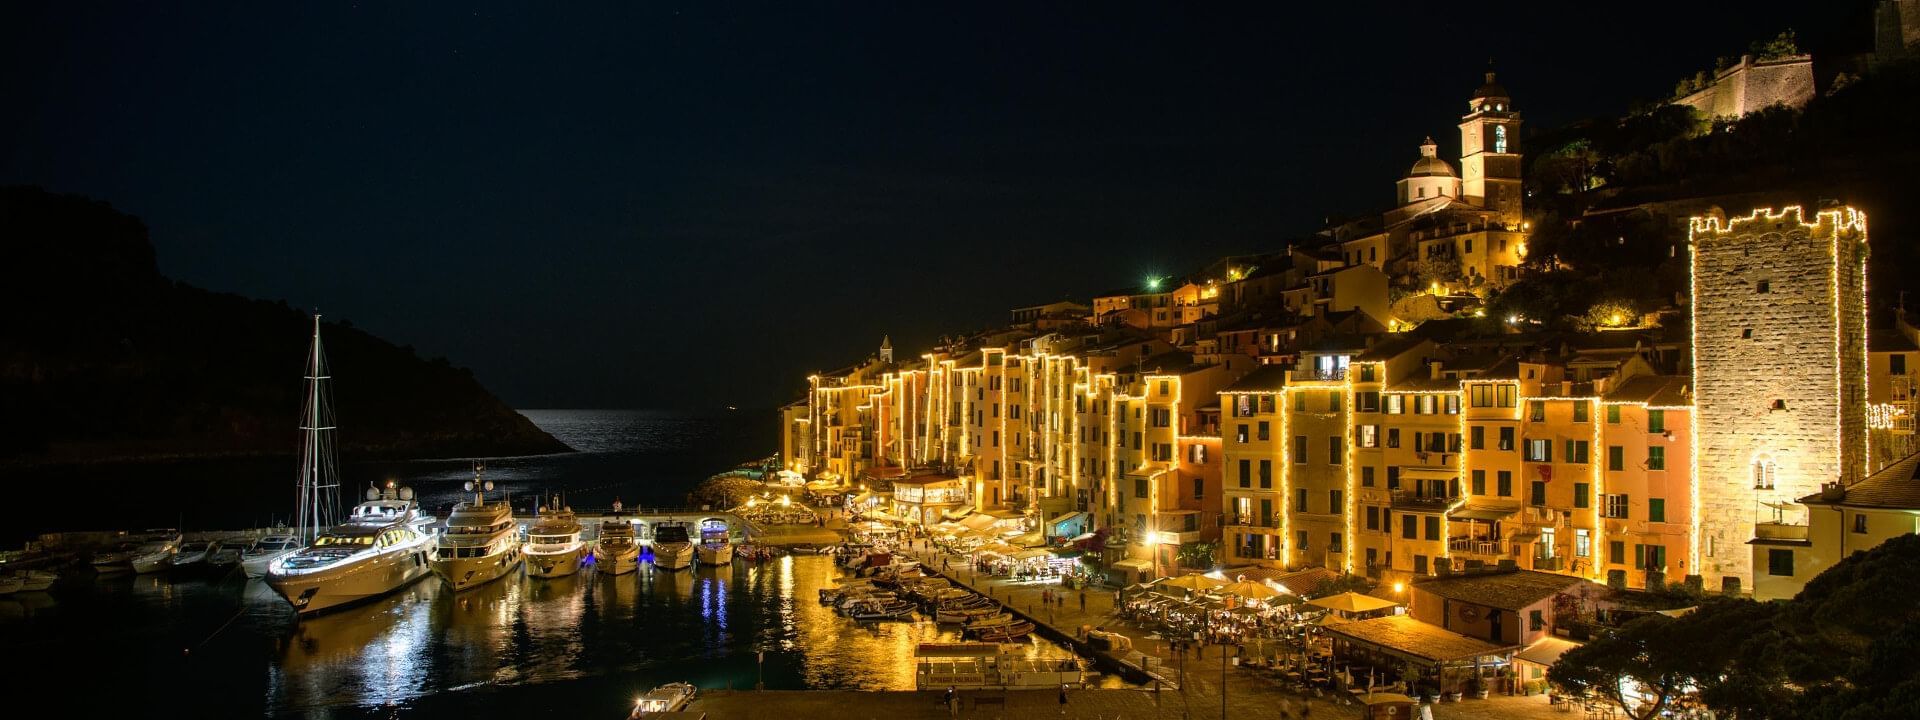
1499 138
1763 471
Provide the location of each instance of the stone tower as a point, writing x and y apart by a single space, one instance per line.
1779 370
1490 153
886 349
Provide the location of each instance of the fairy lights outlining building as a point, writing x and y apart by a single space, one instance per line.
1293 419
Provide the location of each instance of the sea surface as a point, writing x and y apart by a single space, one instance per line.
198 646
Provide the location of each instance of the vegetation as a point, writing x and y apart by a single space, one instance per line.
1844 648
1198 555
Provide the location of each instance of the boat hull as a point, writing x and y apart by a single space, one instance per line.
716 554
558 564
618 561
469 573
355 583
673 556
152 563
256 566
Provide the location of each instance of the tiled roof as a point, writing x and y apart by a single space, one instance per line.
1895 486
1407 636
1504 590
1390 348
1667 390
1269 378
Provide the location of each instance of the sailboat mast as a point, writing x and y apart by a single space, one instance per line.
319 486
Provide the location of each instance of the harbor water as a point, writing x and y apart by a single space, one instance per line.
184 645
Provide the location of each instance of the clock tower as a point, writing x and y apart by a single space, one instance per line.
1490 153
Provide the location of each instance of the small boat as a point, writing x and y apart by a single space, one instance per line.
117 559
618 549
10 584
671 697
554 548
255 559
192 554
964 616
156 555
881 610
987 621
672 549
481 543
1003 633
225 555
716 554
36 580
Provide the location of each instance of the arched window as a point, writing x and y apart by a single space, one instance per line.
1499 138
1763 471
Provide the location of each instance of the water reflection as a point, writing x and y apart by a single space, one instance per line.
368 655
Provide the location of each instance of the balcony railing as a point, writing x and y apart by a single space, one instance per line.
1270 521
1474 546
1408 501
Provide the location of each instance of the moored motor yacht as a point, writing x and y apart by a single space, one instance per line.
671 697
383 546
255 559
482 541
672 549
36 580
617 551
554 548
225 555
716 553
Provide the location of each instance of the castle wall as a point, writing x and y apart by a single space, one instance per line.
1752 85
1779 375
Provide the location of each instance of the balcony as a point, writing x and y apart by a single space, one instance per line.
1255 520
1779 532
1410 501
1482 548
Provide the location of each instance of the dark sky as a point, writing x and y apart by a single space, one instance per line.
649 205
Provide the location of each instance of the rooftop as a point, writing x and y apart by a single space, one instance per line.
1505 590
1664 390
1269 378
1894 487
1404 635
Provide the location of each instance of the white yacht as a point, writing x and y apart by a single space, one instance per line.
716 553
382 547
482 541
672 549
156 554
617 551
192 554
554 547
264 551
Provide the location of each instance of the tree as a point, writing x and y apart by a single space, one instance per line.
1637 655
1197 555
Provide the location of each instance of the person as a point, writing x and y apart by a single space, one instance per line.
953 699
1083 600
1063 699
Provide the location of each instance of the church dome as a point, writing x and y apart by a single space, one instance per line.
1490 89
1430 164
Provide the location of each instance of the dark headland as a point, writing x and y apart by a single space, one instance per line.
102 358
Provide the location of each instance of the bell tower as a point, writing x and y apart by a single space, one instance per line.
1490 153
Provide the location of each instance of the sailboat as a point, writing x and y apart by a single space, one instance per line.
384 546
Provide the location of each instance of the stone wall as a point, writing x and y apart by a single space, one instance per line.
1779 317
1753 85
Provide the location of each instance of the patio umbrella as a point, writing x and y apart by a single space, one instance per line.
1352 602
1194 581
1250 590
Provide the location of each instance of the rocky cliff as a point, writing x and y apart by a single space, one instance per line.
102 358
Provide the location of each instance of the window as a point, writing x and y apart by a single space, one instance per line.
1199 488
1303 541
1300 402
1393 437
1656 510
1266 474
1535 621
1300 500
1262 434
1540 450
1366 436
1373 518
1504 480
1140 488
1576 451
1656 421
1240 433
1500 146
1897 364
1582 543
1334 450
1780 562
1409 527
1580 498
1616 458
1433 527
1506 395
1299 449
1763 473
1333 546
1197 454
1656 458
1506 438
1242 407
1537 410
1266 403
1420 564
1453 404
1469 246
1478 437
1366 476
1480 396
1479 482
1396 404
1366 401
1613 414
1617 552
1764 286
1613 506
1246 473
1539 495
1860 523
1333 401
1580 411
1334 504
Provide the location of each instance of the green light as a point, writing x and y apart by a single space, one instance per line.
1153 283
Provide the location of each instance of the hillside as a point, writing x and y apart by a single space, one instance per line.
103 358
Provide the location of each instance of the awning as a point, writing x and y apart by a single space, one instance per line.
1406 637
1081 536
1030 554
1478 512
1031 539
863 497
1546 650
957 513
1134 564
1525 537
978 522
1428 473
1352 602
1072 517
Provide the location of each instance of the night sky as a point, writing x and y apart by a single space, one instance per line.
691 207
